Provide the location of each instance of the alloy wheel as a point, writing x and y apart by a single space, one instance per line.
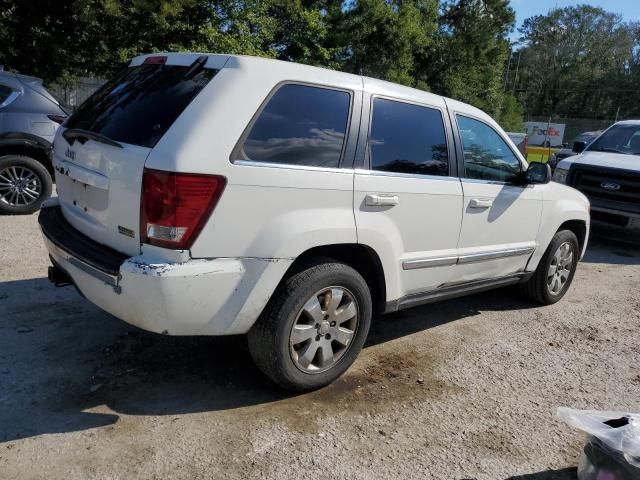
19 186
324 329
560 268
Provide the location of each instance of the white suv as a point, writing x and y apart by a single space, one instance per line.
220 194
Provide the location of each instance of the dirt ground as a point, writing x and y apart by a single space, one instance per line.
465 389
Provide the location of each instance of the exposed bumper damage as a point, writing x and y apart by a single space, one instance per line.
220 296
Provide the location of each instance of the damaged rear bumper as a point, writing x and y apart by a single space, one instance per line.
220 296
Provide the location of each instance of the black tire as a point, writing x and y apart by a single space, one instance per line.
537 288
24 164
269 338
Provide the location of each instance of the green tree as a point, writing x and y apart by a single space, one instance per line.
457 48
577 61
470 52
81 37
384 39
305 30
231 26
510 115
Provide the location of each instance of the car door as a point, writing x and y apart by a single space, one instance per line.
501 217
407 198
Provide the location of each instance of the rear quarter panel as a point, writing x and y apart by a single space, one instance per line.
265 211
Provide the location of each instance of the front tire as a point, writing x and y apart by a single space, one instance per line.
24 184
556 269
313 328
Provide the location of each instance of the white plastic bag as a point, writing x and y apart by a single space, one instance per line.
613 446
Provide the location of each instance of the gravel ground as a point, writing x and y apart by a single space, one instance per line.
465 389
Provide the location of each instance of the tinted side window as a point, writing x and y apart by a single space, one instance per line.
300 125
634 144
4 93
486 155
407 138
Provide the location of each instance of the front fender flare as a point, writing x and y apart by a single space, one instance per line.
553 218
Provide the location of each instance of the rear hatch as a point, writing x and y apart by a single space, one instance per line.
100 152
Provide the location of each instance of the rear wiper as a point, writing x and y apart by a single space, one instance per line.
73 134
195 67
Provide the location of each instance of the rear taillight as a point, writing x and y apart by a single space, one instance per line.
57 118
175 206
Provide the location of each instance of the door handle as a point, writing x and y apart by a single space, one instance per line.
381 200
480 203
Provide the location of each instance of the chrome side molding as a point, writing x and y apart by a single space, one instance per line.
469 258
429 262
453 291
492 255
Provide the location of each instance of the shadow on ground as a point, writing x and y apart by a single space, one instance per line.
61 357
564 474
615 251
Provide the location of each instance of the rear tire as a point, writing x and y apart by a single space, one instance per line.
314 326
24 184
556 269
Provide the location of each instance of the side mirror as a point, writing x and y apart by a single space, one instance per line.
579 147
538 173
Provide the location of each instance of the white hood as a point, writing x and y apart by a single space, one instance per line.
603 159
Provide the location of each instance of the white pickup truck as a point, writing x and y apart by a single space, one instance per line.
221 194
607 171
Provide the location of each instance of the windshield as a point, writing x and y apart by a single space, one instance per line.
587 137
622 138
140 103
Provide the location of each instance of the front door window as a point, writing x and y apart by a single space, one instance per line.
486 155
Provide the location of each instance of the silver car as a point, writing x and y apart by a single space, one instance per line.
29 118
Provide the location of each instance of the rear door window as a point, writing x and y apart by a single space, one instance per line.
407 138
140 103
5 92
300 125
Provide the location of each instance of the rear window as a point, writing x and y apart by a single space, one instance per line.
140 103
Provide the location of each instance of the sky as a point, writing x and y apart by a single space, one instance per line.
629 9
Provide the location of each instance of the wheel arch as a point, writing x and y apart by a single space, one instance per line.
579 226
18 143
362 258
579 229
